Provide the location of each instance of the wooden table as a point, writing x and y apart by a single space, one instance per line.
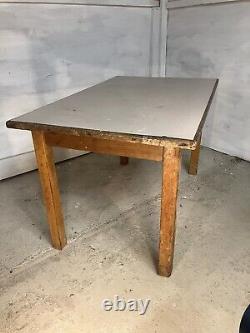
148 118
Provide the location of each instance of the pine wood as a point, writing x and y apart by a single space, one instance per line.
105 146
123 160
194 159
46 166
121 137
170 179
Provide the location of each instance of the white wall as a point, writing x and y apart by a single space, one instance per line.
214 41
48 51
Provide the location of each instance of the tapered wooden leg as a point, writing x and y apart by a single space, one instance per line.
170 180
194 159
47 171
123 160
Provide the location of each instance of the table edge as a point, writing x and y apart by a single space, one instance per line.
144 139
203 119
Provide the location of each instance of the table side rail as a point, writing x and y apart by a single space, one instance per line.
105 146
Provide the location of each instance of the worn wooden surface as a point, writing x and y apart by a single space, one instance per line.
46 166
121 137
106 146
170 179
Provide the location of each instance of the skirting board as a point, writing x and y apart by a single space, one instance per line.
123 3
25 162
172 4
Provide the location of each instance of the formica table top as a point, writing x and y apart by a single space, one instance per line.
154 107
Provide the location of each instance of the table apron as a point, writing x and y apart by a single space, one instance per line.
105 146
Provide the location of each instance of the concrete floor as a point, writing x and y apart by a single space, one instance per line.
112 222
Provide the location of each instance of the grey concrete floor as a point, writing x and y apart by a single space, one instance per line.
112 222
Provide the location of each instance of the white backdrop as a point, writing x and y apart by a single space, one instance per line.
213 41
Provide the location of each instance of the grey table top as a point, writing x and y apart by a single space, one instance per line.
155 107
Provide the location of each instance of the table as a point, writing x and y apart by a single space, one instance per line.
141 117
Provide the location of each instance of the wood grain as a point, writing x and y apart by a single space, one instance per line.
170 180
126 137
47 171
106 146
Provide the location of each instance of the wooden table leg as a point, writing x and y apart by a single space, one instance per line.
47 171
194 159
123 160
170 180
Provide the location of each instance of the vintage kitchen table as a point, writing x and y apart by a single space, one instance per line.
141 117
